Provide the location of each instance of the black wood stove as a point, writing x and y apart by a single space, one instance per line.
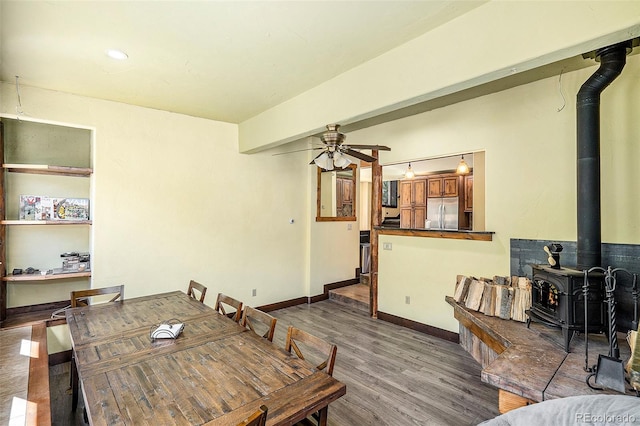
557 294
558 300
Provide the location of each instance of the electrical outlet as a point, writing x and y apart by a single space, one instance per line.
253 292
349 227
387 246
407 300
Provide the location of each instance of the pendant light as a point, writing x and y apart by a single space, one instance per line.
409 174
463 167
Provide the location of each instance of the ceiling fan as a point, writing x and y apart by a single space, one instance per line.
335 152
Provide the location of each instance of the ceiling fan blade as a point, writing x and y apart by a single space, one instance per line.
375 147
359 155
299 150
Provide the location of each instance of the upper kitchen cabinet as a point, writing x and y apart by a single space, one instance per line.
443 186
468 193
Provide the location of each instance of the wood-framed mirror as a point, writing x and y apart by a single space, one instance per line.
336 195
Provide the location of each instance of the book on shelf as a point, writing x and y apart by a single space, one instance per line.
39 207
46 209
29 205
70 208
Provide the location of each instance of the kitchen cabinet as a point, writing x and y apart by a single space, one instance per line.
344 197
468 193
413 203
42 160
443 186
419 193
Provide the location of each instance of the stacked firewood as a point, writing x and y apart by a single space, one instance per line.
504 297
633 365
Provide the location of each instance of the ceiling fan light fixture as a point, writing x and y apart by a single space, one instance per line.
463 167
322 160
409 174
340 160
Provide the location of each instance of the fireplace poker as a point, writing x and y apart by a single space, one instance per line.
610 370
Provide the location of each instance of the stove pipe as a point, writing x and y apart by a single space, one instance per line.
612 61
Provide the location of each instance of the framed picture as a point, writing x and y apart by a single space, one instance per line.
390 193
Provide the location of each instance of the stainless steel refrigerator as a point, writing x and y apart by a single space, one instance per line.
442 213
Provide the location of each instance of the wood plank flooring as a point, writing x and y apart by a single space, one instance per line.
394 376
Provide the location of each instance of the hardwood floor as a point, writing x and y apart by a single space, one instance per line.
394 376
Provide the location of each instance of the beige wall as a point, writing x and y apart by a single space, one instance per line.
174 200
529 142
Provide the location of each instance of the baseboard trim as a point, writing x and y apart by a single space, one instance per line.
332 286
284 304
310 299
59 358
318 298
338 284
418 326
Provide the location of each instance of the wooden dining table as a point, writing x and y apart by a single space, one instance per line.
215 373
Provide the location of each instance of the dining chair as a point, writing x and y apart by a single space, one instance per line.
259 418
196 287
224 300
80 298
318 349
256 321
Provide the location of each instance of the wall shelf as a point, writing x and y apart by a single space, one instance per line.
45 222
49 277
41 158
44 169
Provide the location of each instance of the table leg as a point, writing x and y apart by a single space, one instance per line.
74 384
322 421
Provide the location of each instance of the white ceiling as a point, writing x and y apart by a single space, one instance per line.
222 60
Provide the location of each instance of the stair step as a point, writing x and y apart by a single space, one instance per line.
355 296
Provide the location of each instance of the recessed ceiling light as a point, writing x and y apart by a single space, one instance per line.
117 54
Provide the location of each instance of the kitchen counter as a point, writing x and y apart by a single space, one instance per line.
437 233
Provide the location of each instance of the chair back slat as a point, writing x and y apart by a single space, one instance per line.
253 319
328 351
224 300
78 297
196 286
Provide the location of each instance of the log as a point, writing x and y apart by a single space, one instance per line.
488 305
521 302
504 298
502 280
474 298
462 288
